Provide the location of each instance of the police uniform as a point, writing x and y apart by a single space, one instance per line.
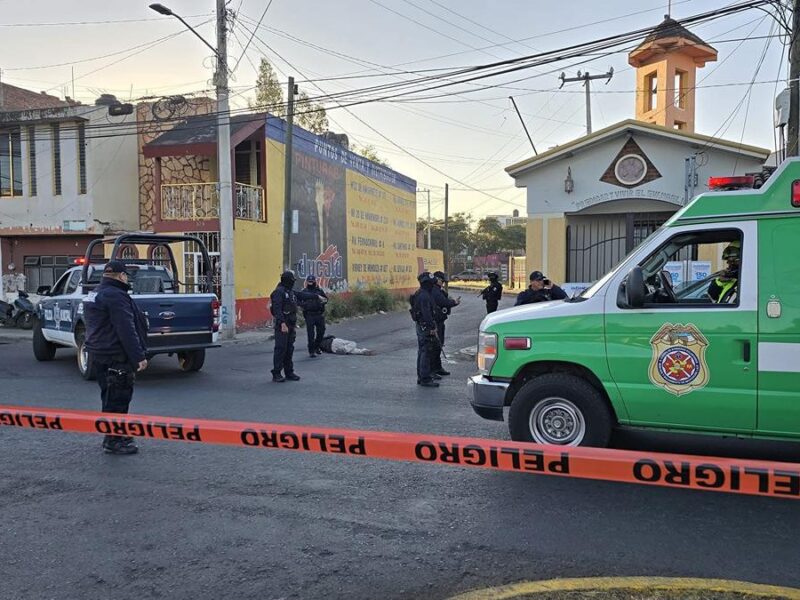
284 312
492 293
531 296
314 314
423 310
116 339
444 305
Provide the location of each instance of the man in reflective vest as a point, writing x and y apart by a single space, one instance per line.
725 288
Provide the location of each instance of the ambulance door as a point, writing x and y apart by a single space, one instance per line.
779 327
680 359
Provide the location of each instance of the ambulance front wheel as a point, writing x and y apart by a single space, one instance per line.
560 409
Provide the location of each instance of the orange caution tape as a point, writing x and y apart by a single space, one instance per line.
670 470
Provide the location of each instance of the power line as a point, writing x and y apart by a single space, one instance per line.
104 22
244 51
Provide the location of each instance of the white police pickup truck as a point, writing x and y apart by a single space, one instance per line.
184 324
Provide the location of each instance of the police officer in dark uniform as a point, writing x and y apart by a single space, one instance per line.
116 338
312 300
444 305
284 312
423 310
541 289
492 293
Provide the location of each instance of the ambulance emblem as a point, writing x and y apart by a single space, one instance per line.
679 359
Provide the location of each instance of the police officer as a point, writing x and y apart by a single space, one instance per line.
492 293
423 309
116 338
541 289
444 305
724 289
312 300
284 312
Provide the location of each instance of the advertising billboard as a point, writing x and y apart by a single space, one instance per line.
356 219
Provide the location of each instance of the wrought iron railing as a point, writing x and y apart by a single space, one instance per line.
249 202
196 201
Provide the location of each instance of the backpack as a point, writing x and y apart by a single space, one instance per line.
412 302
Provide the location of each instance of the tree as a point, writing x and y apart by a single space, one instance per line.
370 153
269 93
269 97
491 237
310 115
460 235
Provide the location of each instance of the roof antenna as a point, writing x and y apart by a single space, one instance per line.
669 9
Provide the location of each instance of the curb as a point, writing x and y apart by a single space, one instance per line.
634 584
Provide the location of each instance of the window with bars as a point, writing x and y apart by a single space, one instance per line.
81 158
10 163
55 129
32 187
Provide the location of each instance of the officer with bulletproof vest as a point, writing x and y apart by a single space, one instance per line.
116 339
444 305
492 293
724 288
423 307
541 289
312 300
283 303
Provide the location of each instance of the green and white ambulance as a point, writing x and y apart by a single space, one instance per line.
718 356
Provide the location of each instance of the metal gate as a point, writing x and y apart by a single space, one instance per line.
597 243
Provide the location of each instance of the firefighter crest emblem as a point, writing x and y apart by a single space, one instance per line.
679 359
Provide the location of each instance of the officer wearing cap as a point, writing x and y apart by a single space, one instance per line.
116 339
724 288
492 293
422 309
283 304
312 300
444 305
541 289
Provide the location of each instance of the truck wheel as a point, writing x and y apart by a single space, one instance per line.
42 349
192 361
560 409
85 363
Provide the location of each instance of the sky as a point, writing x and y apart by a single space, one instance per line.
465 140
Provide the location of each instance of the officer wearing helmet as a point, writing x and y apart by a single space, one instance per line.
724 289
312 300
284 313
423 307
492 293
444 305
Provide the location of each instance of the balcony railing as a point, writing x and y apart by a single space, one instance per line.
249 202
197 201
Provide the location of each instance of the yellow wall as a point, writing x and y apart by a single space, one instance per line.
257 264
533 244
556 268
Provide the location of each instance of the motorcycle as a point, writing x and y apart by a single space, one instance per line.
6 314
24 311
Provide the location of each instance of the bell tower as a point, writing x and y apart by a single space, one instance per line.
666 74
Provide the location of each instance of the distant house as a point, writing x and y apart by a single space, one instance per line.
66 177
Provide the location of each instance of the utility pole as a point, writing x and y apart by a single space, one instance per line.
429 219
225 192
794 91
587 79
287 178
525 127
446 229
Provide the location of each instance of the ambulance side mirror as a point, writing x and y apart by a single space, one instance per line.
634 288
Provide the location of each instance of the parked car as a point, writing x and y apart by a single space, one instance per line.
185 324
467 275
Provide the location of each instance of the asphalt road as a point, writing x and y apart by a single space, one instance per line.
207 522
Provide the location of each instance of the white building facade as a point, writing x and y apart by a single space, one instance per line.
67 175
